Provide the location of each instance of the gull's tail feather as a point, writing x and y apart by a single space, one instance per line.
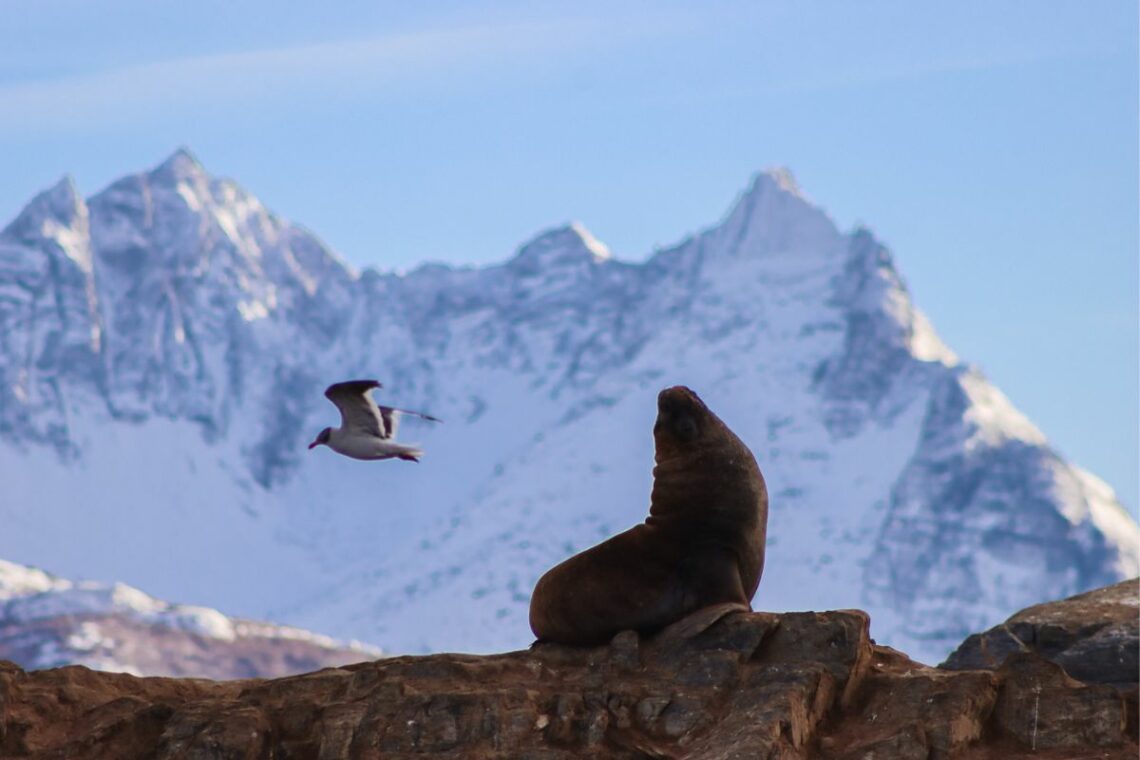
407 453
421 415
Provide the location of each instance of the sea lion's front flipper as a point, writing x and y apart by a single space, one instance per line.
710 574
697 622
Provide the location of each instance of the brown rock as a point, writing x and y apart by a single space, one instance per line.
901 705
1043 708
1094 636
725 685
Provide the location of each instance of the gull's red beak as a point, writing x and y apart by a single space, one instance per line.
314 444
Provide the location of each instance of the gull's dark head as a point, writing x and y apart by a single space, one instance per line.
681 418
322 438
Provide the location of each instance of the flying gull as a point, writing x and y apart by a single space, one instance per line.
366 431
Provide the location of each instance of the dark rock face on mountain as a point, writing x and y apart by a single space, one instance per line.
715 685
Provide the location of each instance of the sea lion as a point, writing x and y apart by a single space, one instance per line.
702 543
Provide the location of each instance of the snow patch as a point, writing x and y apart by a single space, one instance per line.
18 580
1112 519
995 419
600 251
925 343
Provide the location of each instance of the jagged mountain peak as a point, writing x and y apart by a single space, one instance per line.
180 186
782 177
569 245
180 165
183 217
60 205
62 198
776 184
772 217
597 248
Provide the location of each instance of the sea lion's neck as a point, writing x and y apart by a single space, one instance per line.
688 488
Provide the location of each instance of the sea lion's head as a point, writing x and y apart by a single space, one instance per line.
682 421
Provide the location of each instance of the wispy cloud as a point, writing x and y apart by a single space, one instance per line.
322 71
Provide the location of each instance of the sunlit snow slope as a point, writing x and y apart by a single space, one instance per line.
164 345
46 622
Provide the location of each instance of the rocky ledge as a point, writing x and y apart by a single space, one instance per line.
1093 636
720 684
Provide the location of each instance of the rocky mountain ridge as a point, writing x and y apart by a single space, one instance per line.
164 344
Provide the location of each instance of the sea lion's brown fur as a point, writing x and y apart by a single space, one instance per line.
702 544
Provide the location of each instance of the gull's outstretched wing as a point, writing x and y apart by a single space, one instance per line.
358 412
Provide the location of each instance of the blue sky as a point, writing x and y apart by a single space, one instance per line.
991 145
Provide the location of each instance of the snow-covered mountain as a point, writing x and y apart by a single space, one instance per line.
47 622
164 345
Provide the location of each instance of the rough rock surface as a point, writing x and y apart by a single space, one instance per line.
1094 636
715 685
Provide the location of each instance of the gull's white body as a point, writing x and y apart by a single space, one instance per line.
358 446
366 431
